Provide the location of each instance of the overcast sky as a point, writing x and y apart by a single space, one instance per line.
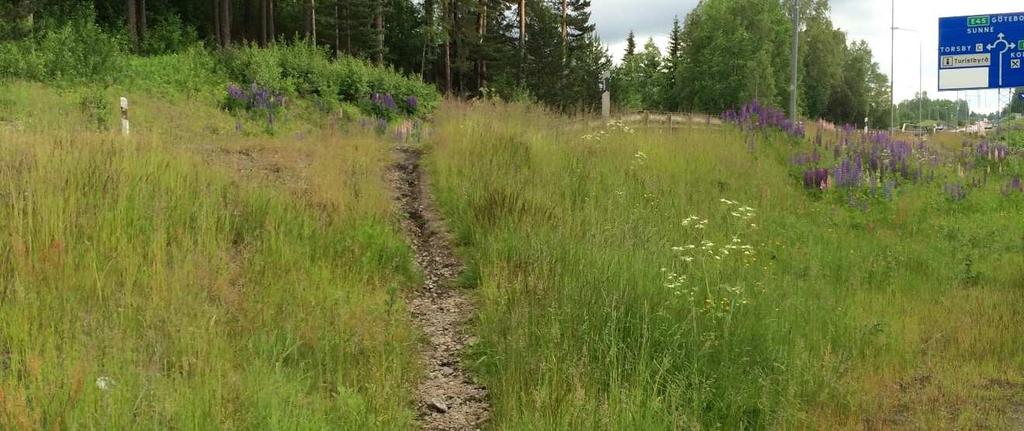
861 19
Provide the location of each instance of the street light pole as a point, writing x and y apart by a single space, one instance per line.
892 70
794 61
920 69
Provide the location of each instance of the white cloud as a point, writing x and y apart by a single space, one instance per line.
861 19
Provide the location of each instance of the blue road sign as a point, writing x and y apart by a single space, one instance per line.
981 51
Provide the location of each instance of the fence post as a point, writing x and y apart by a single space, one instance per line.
124 116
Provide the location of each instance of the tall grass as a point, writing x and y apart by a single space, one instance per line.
158 283
609 301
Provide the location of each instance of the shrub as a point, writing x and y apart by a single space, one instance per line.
79 51
250 64
168 35
192 71
304 70
96 109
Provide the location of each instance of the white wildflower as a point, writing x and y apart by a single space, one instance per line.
104 383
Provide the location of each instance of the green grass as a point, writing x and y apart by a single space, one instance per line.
195 278
907 314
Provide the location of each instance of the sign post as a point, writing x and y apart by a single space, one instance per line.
981 52
606 97
124 116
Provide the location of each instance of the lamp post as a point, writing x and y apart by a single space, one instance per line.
892 70
920 68
794 62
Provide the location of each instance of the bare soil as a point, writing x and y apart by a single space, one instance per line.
448 398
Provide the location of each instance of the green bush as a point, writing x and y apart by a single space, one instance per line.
169 35
193 71
76 52
301 69
95 107
250 64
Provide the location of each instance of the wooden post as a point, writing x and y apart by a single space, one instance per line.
606 106
124 116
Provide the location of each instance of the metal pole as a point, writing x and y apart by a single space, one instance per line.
892 70
920 79
794 61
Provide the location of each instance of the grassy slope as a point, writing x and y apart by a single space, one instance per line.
220 281
840 318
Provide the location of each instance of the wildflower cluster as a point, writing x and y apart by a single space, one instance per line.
639 159
706 273
743 212
868 164
383 101
1014 185
619 126
384 105
611 127
754 115
255 100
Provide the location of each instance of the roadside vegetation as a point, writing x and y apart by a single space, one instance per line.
218 268
704 277
237 261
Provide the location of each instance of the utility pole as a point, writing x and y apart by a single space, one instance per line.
794 61
892 70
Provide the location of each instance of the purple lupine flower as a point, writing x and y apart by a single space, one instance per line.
413 103
237 93
816 179
887 190
754 115
1013 186
848 172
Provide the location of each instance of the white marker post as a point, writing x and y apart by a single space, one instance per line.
606 97
125 128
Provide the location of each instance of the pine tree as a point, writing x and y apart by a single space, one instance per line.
630 46
675 40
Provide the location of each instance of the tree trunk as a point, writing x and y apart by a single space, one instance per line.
447 68
311 21
378 20
271 33
337 28
446 7
457 48
522 41
133 27
565 29
481 30
142 21
263 22
348 28
216 22
225 23
428 18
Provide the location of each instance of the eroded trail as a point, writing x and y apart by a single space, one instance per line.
447 398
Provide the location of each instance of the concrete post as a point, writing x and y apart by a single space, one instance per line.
606 105
125 128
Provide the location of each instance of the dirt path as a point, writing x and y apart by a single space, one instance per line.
448 398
